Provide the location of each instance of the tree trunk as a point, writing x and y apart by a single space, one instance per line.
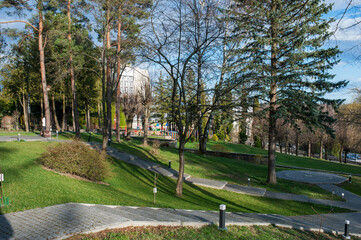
297 144
326 154
72 78
42 112
321 149
280 144
42 72
26 113
72 113
54 115
273 108
179 188
340 154
99 117
64 122
117 103
106 75
345 157
146 125
87 116
309 149
203 139
129 127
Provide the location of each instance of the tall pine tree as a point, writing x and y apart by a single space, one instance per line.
284 57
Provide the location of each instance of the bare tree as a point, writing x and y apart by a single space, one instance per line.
131 107
145 95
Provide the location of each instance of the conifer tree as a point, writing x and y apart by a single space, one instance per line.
284 59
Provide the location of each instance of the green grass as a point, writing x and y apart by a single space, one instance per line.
284 159
15 133
207 233
354 186
230 170
29 186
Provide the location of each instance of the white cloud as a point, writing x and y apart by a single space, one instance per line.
344 30
342 4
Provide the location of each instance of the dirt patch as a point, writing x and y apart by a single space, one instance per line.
74 176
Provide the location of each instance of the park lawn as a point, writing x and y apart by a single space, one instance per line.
354 186
30 186
281 158
207 233
217 168
15 133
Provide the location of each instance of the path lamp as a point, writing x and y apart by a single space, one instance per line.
222 217
249 182
57 134
109 141
346 235
349 178
19 137
154 193
343 196
170 164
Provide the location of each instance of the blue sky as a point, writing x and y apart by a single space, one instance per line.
348 40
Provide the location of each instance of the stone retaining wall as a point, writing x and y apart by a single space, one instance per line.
252 158
163 142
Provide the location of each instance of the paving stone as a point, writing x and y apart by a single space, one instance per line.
245 190
207 182
311 177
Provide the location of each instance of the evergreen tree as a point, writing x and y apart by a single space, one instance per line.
283 58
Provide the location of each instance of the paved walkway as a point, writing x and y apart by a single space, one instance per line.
353 202
311 177
60 221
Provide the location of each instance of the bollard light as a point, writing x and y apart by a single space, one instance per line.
57 134
1 177
349 178
170 164
346 235
109 141
343 196
154 193
249 182
19 137
222 217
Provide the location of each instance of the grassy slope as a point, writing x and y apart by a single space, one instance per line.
207 233
217 168
285 159
29 186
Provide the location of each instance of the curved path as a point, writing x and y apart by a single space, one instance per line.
59 221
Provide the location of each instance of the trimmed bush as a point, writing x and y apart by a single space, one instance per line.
227 138
78 159
215 137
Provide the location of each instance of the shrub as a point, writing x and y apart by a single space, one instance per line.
221 135
215 137
257 141
193 138
243 136
227 138
78 159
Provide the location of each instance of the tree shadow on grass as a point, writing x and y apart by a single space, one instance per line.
192 194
